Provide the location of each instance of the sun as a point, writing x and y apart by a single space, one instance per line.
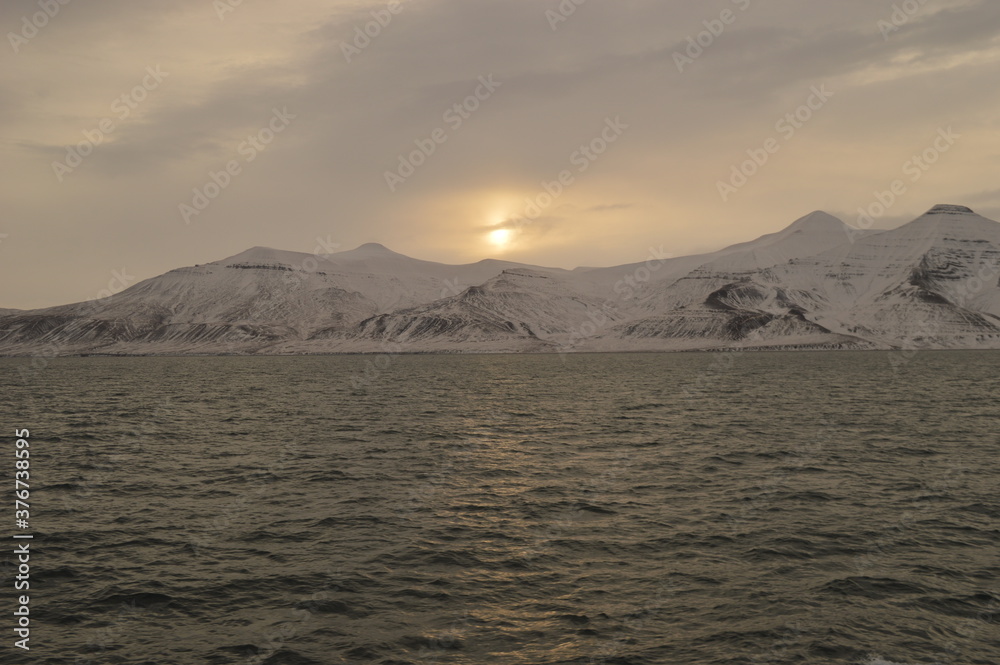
500 237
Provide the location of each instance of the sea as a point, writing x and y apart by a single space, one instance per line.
579 509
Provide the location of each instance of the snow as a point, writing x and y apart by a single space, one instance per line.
815 284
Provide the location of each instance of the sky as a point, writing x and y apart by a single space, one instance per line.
139 137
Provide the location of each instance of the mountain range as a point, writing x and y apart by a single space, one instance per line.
817 284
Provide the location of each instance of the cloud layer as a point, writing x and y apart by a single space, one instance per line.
367 89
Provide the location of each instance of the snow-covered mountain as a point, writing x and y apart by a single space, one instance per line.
932 282
815 284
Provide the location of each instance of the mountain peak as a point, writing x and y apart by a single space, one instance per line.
817 219
950 209
262 255
369 251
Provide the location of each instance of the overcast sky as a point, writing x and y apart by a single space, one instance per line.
163 93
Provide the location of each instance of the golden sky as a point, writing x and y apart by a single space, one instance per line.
153 135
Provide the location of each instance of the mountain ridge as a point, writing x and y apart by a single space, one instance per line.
815 284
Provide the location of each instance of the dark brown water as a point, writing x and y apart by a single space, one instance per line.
619 509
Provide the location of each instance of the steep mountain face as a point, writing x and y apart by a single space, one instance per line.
931 282
934 283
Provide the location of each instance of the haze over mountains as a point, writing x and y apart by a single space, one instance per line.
817 284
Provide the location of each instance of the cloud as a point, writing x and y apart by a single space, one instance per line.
325 176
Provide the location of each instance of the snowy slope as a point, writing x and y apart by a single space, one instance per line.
244 303
717 305
535 309
808 236
931 283
523 308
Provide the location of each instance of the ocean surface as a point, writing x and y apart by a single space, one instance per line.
619 509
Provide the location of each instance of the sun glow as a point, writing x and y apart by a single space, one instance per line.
500 237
